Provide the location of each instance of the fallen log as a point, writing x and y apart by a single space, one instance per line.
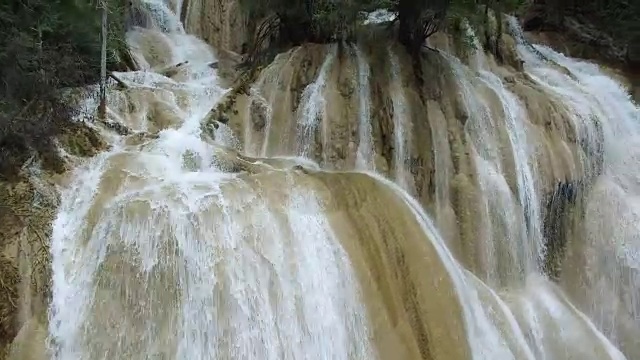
118 80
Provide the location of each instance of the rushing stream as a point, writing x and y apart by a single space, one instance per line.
174 244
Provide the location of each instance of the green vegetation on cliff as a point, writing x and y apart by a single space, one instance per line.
46 45
285 23
610 27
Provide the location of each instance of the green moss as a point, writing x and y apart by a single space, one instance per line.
80 140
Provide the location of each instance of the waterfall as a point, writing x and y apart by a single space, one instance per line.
526 187
150 257
311 109
252 147
162 17
608 124
365 158
401 123
503 248
178 243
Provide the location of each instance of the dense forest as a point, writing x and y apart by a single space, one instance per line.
52 44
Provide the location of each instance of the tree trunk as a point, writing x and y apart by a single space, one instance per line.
103 63
407 16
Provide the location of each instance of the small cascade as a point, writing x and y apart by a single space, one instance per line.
365 157
528 199
600 270
401 125
312 105
514 115
503 248
261 134
252 146
507 324
162 17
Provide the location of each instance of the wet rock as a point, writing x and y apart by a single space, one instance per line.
30 343
560 211
9 281
633 52
461 112
534 18
26 212
81 140
117 127
223 119
258 115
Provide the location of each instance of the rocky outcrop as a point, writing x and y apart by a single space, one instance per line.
27 208
563 214
221 23
441 159
265 120
577 37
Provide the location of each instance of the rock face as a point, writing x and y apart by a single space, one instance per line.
27 208
439 154
25 224
221 23
577 37
633 52
437 157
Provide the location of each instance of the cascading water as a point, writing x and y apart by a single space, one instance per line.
527 195
252 146
151 259
504 256
602 273
172 245
365 156
401 123
312 107
162 16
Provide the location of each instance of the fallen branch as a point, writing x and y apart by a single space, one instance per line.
118 80
430 48
129 61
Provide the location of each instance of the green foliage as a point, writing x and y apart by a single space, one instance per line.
619 18
290 22
46 45
280 24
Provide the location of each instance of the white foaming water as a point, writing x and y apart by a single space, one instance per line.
497 325
535 321
514 116
401 122
312 105
269 75
604 276
163 18
506 257
156 253
514 113
379 16
365 156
